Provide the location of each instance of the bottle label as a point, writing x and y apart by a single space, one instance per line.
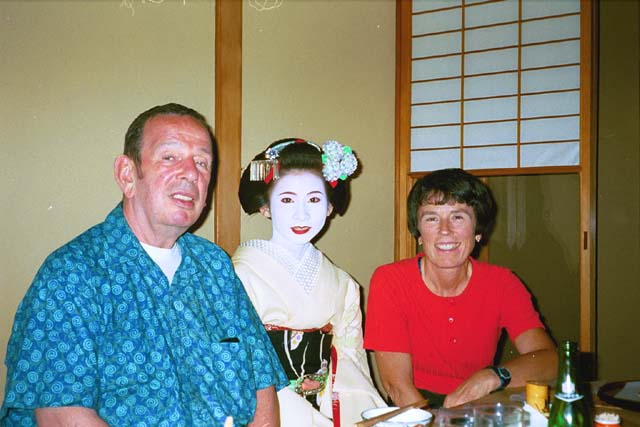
569 397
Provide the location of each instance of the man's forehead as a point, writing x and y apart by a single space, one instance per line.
175 129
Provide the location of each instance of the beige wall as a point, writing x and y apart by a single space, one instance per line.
619 191
324 70
72 77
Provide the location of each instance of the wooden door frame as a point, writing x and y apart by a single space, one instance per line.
228 122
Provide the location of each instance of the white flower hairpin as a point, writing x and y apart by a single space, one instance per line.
339 162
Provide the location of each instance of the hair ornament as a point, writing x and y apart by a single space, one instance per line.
339 162
268 169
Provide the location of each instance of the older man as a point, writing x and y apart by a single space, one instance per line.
136 322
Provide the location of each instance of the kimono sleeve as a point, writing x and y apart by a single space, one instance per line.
266 365
51 357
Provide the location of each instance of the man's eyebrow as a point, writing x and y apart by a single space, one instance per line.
174 142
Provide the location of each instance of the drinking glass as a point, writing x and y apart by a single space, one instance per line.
455 417
500 415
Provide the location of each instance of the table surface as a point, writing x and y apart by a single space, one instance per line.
516 394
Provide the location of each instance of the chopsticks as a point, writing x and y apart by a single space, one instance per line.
384 417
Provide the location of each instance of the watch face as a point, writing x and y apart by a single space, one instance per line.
504 373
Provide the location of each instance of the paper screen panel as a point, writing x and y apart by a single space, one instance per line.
565 27
539 9
554 129
491 61
435 159
550 79
491 157
427 5
436 114
436 22
491 37
491 109
550 54
491 85
555 154
437 44
550 104
435 137
491 133
491 13
436 68
439 90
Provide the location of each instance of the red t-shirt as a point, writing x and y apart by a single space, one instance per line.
449 338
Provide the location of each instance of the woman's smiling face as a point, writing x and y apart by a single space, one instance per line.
447 233
298 207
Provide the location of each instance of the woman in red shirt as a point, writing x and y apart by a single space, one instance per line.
434 320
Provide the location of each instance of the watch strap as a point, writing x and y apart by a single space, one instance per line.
503 375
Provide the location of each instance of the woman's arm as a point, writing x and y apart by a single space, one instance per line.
396 373
537 361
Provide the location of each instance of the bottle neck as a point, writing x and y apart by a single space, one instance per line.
566 384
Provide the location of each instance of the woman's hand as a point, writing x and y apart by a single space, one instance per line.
476 386
537 361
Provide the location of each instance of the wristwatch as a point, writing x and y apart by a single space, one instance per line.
503 375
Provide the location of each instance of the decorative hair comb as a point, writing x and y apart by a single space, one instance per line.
339 162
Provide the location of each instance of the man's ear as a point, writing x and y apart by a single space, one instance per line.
265 211
125 173
329 209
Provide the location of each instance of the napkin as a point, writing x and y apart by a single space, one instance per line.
537 419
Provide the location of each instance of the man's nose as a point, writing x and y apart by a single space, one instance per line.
190 170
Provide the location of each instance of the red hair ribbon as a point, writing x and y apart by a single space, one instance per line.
269 177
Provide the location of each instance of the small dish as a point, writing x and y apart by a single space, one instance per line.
410 418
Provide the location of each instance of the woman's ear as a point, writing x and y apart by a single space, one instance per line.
329 209
265 211
125 173
478 237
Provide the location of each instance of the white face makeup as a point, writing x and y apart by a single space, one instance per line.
298 207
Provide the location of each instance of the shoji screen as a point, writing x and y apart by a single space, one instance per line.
495 84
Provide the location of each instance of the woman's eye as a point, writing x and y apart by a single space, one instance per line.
314 199
169 158
286 200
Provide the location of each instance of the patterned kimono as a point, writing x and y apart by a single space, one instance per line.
306 294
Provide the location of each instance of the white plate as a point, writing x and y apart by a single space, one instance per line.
408 418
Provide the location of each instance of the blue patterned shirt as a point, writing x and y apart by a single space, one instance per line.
101 328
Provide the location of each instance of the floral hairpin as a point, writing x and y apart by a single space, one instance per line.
338 161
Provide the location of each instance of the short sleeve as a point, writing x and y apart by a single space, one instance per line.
517 313
386 323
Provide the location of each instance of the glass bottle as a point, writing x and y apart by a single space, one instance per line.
568 408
